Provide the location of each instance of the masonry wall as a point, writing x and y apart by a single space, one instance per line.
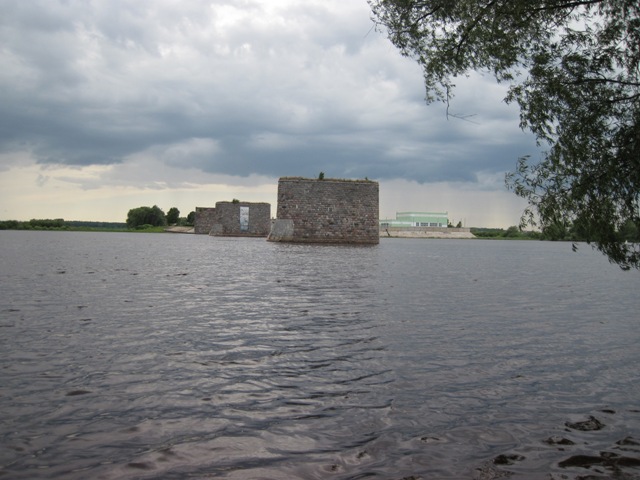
204 219
326 211
241 218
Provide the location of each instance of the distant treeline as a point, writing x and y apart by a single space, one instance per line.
570 232
510 233
59 224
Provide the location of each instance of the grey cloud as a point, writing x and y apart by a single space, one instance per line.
306 88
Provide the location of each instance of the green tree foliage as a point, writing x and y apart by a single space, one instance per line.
173 215
146 216
191 218
512 232
60 224
557 231
10 225
34 224
630 233
90 225
573 67
46 223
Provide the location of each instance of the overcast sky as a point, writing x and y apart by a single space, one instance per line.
111 104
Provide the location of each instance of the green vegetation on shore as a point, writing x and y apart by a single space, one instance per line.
511 233
155 216
60 224
559 232
141 219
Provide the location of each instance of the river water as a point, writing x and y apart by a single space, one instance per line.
128 355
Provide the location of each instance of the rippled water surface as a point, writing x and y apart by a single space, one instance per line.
182 356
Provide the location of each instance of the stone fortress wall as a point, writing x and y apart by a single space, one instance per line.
234 219
204 219
326 211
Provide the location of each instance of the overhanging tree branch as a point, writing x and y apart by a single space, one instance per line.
579 92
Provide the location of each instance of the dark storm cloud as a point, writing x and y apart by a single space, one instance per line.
236 88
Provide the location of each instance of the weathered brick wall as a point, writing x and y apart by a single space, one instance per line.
242 218
328 211
204 219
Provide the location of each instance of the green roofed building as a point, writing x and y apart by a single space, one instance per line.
417 219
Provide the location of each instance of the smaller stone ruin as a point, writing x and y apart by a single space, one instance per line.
237 219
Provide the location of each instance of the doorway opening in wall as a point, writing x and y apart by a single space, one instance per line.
244 219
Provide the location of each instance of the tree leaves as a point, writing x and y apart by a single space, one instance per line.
146 216
573 67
